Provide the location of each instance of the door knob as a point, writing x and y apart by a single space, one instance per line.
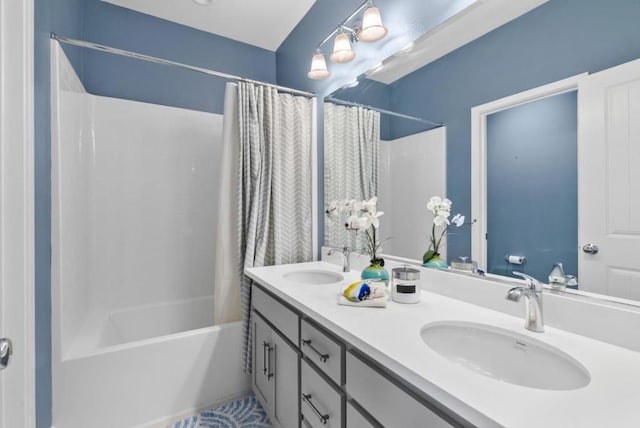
5 352
590 249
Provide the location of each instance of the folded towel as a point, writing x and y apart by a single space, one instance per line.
365 293
363 290
379 302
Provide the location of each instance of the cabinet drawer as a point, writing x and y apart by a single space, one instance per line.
326 353
321 403
283 318
355 419
386 402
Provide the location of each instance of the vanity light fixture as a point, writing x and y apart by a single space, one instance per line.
342 52
318 67
371 30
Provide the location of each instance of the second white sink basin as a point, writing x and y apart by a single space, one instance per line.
505 355
314 276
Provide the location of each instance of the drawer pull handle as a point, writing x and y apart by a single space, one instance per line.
323 357
266 359
323 418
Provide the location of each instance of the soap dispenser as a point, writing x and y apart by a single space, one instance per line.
557 277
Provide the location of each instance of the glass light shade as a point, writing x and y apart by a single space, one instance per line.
342 49
372 28
318 67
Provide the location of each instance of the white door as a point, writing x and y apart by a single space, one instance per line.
16 215
609 181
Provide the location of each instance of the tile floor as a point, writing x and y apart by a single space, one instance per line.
243 413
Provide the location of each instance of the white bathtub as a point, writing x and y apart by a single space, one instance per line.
153 380
133 231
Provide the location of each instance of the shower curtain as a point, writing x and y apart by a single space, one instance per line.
266 218
227 307
351 150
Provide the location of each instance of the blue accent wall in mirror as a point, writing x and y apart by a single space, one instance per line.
532 186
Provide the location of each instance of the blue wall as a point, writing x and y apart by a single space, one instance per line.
372 93
562 38
532 186
113 76
107 75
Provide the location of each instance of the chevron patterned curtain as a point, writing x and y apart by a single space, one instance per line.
274 185
351 159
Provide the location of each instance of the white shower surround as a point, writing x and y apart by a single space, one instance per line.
412 170
134 193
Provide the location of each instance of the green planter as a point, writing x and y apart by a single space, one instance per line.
436 262
376 271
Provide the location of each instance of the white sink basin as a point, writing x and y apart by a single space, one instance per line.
313 276
505 355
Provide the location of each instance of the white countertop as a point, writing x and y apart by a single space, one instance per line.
391 336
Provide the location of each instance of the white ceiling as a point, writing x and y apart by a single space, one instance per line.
475 21
256 22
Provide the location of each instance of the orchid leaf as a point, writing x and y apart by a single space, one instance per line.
428 256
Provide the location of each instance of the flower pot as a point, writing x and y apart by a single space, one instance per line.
436 262
376 271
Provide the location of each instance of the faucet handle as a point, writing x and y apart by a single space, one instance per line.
532 283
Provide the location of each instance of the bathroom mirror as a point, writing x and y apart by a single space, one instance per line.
496 67
370 151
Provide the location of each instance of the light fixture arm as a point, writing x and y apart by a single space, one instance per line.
360 8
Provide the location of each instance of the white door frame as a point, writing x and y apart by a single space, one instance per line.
479 154
17 305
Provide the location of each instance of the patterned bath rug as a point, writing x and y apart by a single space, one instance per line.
244 413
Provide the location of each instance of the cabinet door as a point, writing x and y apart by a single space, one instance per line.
286 412
262 373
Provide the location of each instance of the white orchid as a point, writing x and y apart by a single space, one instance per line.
458 220
439 220
370 206
360 215
357 223
434 202
373 219
441 208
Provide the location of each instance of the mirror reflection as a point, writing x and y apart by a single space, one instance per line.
366 157
532 187
554 192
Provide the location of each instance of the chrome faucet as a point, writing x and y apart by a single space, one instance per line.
345 251
533 295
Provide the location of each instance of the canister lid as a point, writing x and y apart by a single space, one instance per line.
406 273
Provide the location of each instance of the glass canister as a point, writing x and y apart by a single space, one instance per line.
404 285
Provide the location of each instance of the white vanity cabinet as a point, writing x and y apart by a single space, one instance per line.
276 361
304 375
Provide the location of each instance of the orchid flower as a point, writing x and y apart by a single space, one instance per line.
440 220
373 219
433 203
360 216
370 205
458 220
441 208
